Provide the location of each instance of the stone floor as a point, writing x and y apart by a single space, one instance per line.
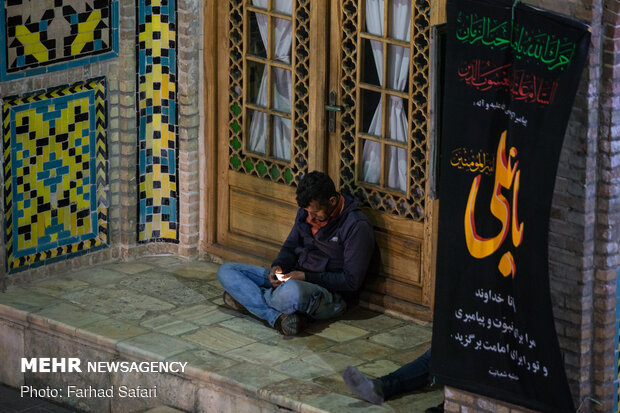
172 307
11 401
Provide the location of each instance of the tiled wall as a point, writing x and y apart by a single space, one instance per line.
55 171
151 114
48 35
156 39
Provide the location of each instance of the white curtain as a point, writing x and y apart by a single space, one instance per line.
398 70
281 83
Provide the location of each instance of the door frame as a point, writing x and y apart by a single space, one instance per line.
212 175
215 173
426 230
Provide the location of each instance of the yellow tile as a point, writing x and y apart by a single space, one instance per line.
156 23
41 56
168 233
41 226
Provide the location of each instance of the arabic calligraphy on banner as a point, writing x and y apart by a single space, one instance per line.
509 86
551 50
507 176
473 161
523 86
515 343
512 115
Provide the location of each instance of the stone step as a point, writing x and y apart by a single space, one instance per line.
155 310
163 409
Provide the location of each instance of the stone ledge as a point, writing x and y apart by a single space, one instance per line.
169 308
203 379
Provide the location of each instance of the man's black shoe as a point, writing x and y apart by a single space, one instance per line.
289 324
230 302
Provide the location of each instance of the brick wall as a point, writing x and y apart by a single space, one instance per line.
458 401
572 226
617 346
584 227
190 44
608 213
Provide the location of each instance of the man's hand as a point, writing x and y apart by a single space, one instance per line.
295 275
272 276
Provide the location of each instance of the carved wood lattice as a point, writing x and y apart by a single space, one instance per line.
240 159
411 203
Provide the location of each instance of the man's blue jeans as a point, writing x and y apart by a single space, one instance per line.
250 286
408 378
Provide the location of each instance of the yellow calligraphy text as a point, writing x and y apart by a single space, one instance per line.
506 176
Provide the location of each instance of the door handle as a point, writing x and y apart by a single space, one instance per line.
331 112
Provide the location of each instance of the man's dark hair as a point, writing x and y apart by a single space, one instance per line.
315 186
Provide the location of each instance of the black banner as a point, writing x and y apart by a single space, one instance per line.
511 75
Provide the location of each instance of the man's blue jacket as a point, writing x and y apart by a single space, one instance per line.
338 256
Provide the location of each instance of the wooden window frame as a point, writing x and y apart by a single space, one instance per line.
269 63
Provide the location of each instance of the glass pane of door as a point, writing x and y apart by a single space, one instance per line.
267 138
386 78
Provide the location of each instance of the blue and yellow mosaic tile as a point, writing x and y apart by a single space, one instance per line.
55 168
157 120
38 36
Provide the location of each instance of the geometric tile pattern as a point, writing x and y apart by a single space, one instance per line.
47 35
157 120
55 169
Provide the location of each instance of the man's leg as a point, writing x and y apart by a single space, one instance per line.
247 284
406 379
307 298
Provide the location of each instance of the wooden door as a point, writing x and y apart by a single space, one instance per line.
381 152
269 133
330 51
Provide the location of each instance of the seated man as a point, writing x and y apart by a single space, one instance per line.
325 257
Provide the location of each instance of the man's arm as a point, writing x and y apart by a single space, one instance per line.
359 246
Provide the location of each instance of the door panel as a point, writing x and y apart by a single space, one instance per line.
264 135
401 257
380 68
271 222
384 292
269 90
